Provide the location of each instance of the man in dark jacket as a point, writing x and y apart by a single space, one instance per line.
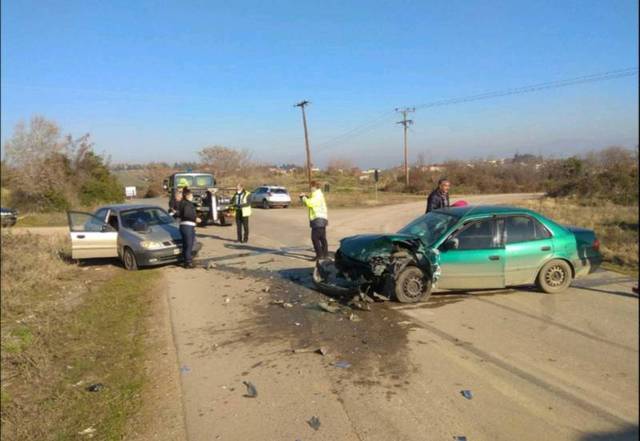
439 198
188 220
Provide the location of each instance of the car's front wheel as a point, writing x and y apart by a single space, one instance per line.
265 204
555 276
129 260
412 286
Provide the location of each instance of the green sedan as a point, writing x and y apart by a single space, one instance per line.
468 248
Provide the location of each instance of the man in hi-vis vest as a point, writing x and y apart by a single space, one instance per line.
318 219
240 202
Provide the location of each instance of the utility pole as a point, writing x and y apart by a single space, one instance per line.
302 104
406 122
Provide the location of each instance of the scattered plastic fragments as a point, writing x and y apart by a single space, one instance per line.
353 317
342 364
267 289
321 350
314 422
185 369
96 387
328 308
89 432
380 297
252 392
210 265
467 394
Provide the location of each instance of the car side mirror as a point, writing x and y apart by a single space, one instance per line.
450 244
104 228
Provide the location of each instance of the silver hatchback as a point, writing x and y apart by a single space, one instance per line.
140 235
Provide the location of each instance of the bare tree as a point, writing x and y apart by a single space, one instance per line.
224 160
38 154
341 165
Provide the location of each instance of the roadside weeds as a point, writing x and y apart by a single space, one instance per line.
65 328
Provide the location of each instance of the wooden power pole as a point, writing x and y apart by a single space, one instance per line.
406 122
302 104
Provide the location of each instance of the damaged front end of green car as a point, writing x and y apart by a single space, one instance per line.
397 266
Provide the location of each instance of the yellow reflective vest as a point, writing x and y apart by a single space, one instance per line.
244 203
317 205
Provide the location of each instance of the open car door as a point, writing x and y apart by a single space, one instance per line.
91 237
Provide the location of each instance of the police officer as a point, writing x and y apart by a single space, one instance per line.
318 219
240 202
439 198
188 220
174 202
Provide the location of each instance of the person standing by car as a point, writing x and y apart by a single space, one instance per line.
174 203
188 220
240 202
318 219
207 201
439 198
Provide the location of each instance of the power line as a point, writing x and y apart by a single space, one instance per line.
534 87
592 78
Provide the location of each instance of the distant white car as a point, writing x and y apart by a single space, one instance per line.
269 196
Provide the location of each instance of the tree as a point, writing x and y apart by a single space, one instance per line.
340 165
224 160
37 153
52 172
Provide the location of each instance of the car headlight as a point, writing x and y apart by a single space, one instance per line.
151 245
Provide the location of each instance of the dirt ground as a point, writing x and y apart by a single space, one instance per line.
539 366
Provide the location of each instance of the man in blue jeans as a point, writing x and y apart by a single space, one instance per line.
188 221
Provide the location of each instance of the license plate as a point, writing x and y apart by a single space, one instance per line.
176 251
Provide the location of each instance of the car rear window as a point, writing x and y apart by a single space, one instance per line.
279 190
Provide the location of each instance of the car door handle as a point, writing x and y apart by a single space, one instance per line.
494 257
80 236
545 248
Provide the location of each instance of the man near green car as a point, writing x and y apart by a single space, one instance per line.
240 202
318 219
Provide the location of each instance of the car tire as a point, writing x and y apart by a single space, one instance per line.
129 260
555 276
412 286
223 221
285 206
265 204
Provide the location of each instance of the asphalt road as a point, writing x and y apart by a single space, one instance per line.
539 366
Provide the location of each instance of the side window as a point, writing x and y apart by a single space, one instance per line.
85 222
523 229
478 235
113 221
102 214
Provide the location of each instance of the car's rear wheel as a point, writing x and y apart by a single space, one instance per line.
412 286
555 276
265 204
129 260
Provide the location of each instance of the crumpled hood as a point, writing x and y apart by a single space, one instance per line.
365 246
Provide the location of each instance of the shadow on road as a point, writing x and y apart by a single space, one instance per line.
629 433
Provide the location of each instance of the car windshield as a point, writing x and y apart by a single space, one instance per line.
145 216
198 181
430 226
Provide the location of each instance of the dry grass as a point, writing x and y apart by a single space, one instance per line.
64 327
615 225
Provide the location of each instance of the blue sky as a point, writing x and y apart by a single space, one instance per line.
160 80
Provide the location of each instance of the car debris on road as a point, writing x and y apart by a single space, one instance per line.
252 392
314 422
